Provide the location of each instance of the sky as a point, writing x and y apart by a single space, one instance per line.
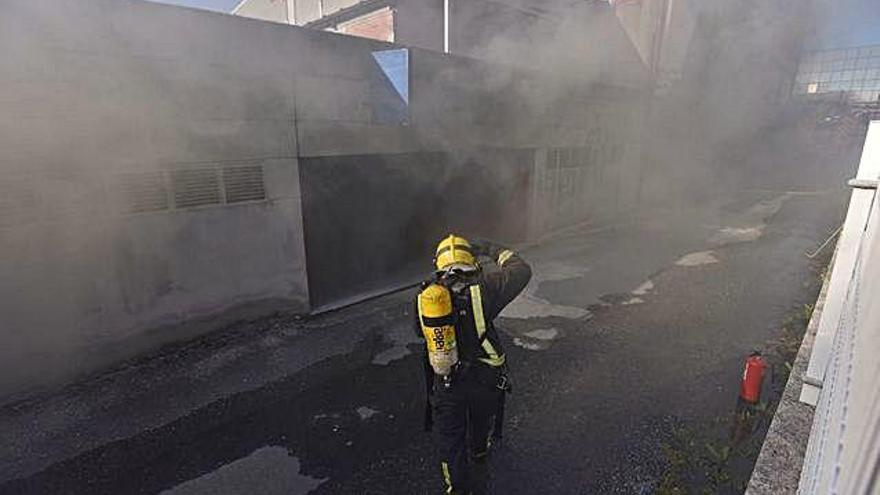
851 22
221 5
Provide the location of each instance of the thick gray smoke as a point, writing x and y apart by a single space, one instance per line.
128 130
705 134
544 117
721 116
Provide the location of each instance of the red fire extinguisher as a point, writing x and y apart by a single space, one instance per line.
753 378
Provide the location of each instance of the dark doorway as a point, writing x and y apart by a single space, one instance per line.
371 221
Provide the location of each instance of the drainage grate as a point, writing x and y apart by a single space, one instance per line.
244 183
142 192
195 187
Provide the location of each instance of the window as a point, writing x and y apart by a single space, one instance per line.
852 71
389 87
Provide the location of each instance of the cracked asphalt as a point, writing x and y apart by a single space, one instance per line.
622 334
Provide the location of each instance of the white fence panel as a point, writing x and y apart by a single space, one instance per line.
843 456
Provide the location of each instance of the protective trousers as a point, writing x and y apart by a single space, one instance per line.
463 414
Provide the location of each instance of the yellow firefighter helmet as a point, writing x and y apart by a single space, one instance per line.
454 252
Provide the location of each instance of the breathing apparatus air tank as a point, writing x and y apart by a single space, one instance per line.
437 319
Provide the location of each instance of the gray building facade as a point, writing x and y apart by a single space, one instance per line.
167 171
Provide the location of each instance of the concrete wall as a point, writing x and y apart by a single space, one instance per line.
598 179
419 24
578 42
153 158
116 118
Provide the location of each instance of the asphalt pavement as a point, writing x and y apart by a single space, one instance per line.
623 335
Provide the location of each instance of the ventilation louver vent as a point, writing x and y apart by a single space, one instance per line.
195 187
65 197
244 183
143 192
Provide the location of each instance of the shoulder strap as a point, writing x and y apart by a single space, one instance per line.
426 364
494 359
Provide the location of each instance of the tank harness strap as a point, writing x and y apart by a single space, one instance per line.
494 358
422 319
427 321
429 376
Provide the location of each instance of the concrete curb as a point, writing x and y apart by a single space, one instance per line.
778 468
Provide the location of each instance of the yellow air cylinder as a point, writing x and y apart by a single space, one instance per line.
437 321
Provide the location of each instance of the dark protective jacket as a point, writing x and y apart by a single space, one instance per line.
498 286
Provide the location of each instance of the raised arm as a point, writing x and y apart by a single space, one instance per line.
505 284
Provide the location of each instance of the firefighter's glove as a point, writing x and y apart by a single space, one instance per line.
484 247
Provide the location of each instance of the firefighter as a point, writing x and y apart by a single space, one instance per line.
465 366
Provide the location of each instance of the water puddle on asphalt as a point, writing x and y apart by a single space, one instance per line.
366 412
697 259
400 336
731 235
643 289
633 300
543 334
635 296
765 209
529 305
615 298
626 298
267 471
752 225
537 340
